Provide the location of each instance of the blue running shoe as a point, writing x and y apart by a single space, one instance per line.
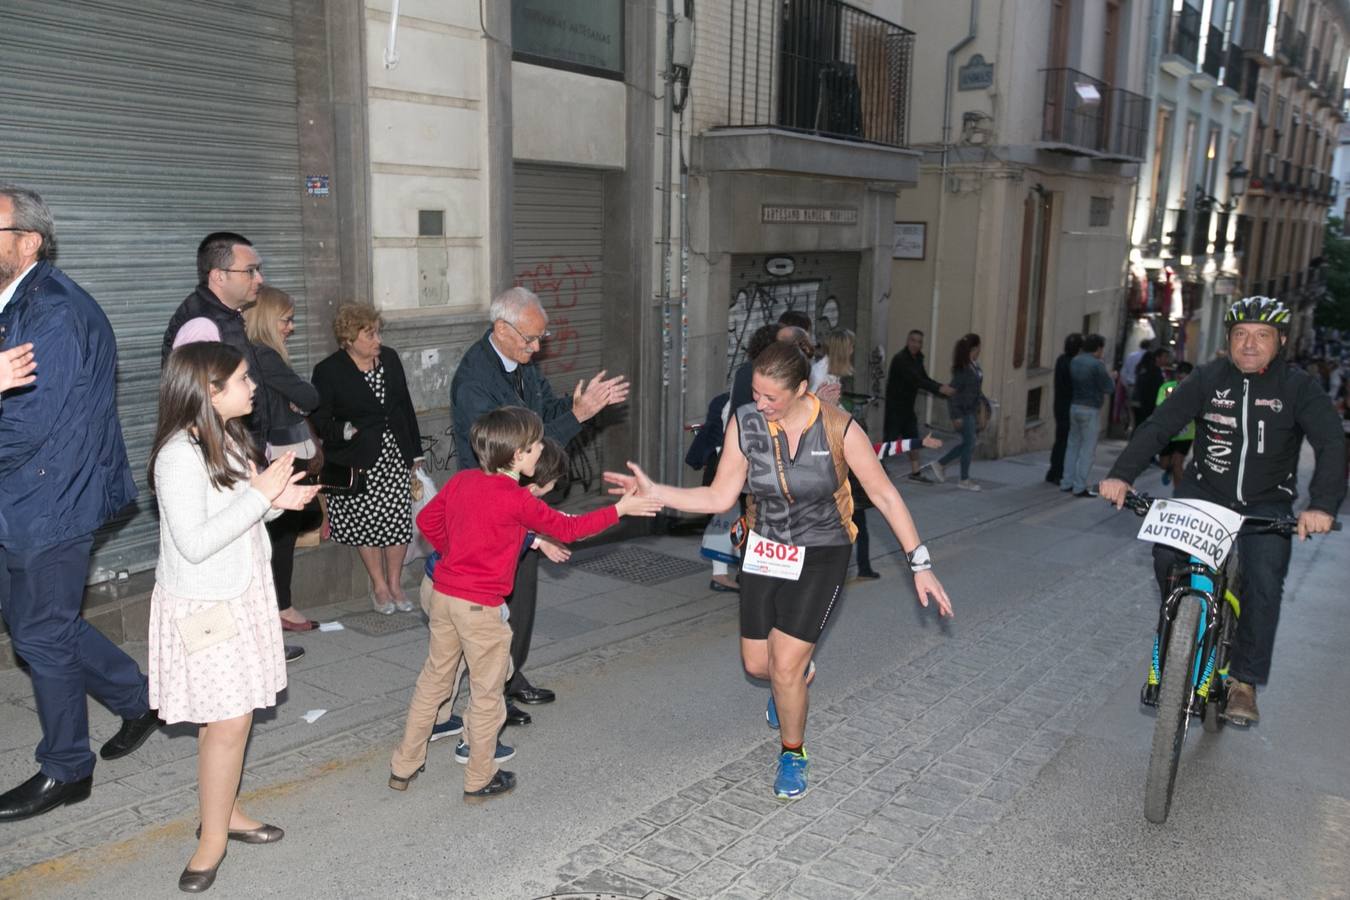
452 726
791 781
1167 476
502 755
771 711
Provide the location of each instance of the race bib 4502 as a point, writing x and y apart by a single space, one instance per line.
766 557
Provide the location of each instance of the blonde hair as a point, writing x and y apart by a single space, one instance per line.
351 320
839 347
260 319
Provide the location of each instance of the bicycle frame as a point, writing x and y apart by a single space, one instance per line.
1205 586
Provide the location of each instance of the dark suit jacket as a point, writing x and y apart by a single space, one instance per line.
63 464
481 385
345 397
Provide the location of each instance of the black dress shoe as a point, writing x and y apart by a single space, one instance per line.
41 794
516 716
130 736
534 695
293 652
502 782
194 881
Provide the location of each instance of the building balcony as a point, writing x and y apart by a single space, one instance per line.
1212 65
1085 116
824 89
1252 36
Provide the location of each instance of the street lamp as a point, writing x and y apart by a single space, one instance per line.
1239 177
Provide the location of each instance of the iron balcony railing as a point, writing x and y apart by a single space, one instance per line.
1184 40
1087 113
818 66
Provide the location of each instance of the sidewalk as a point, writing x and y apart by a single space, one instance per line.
591 622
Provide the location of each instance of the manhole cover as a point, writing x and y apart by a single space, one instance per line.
640 566
375 624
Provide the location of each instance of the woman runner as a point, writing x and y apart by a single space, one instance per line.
793 455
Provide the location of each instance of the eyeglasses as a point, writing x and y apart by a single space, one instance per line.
250 271
530 338
288 320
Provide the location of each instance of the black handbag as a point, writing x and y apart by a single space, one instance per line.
335 478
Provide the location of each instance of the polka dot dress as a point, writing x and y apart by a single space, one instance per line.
381 515
228 679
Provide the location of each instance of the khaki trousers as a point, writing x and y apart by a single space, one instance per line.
460 627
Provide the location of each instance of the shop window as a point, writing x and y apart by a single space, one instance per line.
583 37
1034 404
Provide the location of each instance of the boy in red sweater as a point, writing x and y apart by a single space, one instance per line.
477 523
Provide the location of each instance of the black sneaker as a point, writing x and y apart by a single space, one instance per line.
293 652
502 782
1089 492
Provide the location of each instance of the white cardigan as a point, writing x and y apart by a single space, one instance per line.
203 550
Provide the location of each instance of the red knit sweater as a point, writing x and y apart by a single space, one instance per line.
477 522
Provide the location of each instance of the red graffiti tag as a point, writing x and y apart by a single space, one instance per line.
558 281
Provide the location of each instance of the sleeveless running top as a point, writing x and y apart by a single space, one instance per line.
804 499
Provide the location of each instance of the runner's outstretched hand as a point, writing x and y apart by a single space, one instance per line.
624 483
927 585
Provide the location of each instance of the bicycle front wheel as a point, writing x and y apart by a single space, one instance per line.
1174 700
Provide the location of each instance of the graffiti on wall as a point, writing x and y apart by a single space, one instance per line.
559 283
757 304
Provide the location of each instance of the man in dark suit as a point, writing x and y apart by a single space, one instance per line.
499 371
904 380
63 473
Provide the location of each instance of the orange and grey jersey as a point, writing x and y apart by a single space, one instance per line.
799 499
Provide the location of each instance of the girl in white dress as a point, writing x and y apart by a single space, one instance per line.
215 641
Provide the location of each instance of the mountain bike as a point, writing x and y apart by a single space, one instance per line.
1197 622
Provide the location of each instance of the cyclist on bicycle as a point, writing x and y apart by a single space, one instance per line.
1251 411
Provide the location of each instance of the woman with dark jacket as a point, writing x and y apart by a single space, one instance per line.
366 421
963 407
287 399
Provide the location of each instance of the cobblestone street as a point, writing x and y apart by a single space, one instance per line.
998 754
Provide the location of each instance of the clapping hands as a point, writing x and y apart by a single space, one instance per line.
590 397
279 483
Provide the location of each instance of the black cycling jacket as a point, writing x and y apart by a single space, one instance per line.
1248 432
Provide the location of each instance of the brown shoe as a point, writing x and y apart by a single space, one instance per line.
1241 706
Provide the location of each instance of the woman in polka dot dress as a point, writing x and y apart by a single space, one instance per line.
215 640
366 420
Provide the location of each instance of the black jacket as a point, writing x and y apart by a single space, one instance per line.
1063 386
278 388
905 378
345 397
1248 432
481 385
202 304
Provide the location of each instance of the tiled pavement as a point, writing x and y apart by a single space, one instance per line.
905 773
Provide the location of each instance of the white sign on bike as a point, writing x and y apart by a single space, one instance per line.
766 557
1204 530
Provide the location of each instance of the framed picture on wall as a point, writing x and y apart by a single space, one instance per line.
911 240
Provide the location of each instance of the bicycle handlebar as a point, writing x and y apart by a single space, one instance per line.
1139 504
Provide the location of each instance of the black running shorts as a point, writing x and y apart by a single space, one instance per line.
798 608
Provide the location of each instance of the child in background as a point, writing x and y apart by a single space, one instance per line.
1173 456
478 524
548 472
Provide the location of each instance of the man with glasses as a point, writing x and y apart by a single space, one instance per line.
229 276
499 371
63 473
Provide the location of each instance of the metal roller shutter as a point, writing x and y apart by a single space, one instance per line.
147 124
558 243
